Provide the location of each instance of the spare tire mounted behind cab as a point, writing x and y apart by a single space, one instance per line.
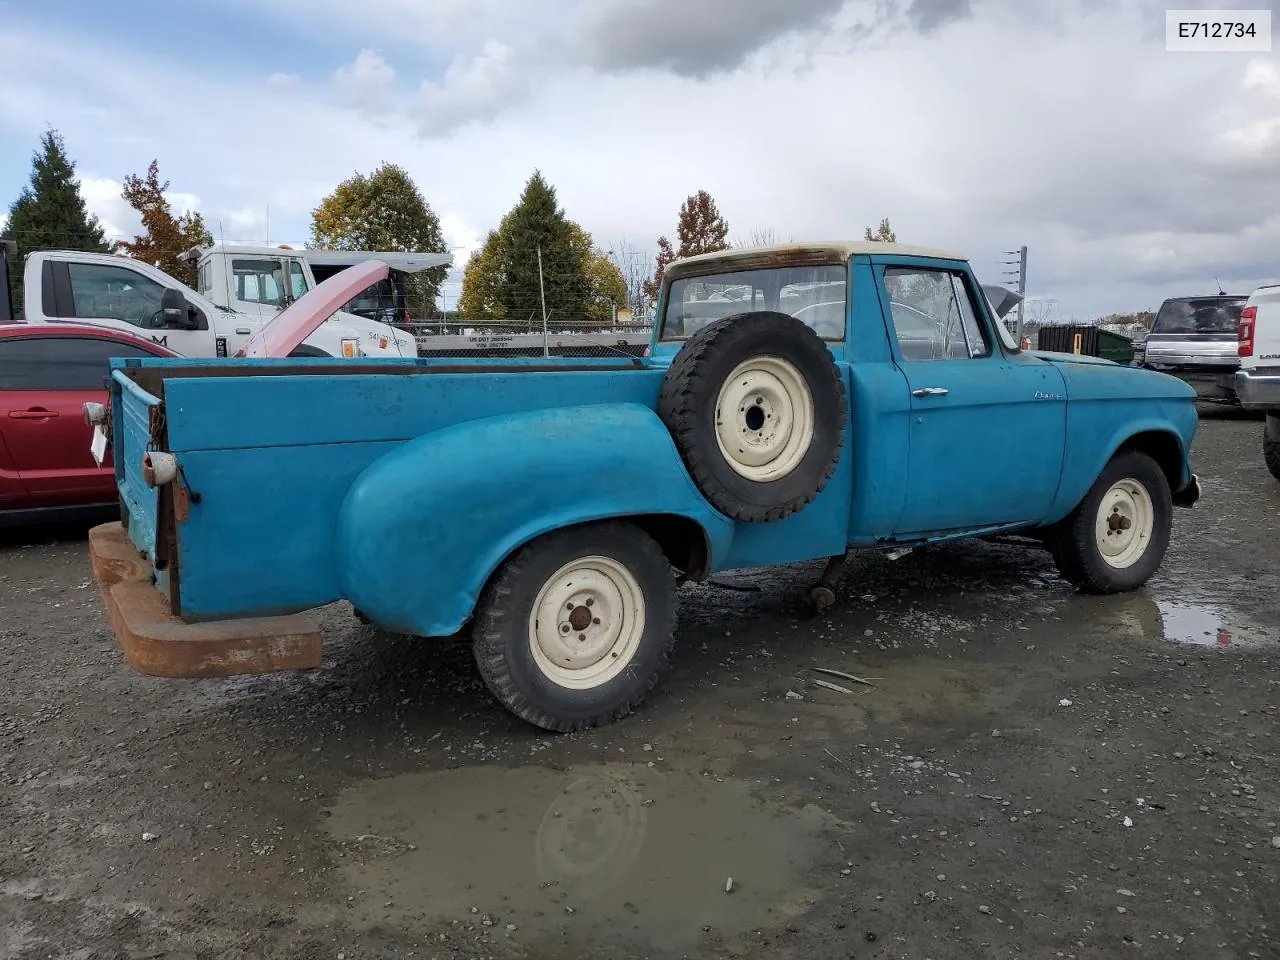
756 406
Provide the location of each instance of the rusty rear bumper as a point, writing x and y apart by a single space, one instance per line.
158 644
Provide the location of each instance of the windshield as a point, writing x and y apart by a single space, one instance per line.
1199 315
815 295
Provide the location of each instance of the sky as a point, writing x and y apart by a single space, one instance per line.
1129 172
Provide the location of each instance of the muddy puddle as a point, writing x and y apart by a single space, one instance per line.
1182 622
630 854
1205 626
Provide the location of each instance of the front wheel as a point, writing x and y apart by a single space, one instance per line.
1117 537
577 626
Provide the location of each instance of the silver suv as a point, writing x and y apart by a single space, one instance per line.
1194 339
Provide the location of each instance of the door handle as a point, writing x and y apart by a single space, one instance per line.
35 413
929 392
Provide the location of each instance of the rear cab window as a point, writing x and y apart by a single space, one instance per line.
816 295
1197 315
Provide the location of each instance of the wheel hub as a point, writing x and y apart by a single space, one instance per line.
587 622
1126 519
764 418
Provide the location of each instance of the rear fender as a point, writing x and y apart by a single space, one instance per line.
423 527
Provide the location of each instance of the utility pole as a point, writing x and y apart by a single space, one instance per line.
1021 254
542 295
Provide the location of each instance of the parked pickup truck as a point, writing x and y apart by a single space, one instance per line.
1257 382
545 509
121 293
1194 339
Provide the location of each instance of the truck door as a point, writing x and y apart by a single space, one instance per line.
258 287
987 430
117 296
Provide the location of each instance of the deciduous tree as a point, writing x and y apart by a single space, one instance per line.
383 211
167 236
700 229
50 213
606 288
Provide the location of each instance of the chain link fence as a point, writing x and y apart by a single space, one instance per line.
454 339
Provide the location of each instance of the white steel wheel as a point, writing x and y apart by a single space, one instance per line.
764 418
587 622
1124 523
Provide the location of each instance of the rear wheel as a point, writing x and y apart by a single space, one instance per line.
1271 444
1117 537
576 627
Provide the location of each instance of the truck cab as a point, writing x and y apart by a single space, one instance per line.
260 281
121 293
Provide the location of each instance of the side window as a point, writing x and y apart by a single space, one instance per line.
60 363
104 291
297 280
933 315
259 281
205 284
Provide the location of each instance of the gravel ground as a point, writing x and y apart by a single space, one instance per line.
1031 773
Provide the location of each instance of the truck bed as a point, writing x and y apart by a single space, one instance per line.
268 450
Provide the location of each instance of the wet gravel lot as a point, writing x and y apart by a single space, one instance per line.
1028 773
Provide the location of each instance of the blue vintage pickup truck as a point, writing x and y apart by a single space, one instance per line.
797 402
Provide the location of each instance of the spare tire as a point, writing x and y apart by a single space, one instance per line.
756 406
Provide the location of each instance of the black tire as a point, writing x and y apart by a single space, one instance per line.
505 650
304 350
688 406
1271 444
1074 543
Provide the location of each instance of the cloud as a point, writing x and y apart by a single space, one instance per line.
366 83
283 81
472 90
102 199
697 39
1131 174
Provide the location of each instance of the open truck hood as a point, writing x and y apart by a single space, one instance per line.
1002 299
284 332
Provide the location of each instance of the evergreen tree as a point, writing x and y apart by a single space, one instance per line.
50 213
538 223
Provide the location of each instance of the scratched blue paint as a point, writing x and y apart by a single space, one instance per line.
423 526
403 491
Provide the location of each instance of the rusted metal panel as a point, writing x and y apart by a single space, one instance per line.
155 642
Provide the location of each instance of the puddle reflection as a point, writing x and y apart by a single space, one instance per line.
1205 626
1182 622
602 851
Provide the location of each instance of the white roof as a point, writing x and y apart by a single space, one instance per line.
411 262
792 254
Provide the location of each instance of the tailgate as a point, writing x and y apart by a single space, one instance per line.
137 426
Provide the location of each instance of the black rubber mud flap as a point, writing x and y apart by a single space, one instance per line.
756 406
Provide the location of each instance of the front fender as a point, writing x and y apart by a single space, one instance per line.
423 527
1094 438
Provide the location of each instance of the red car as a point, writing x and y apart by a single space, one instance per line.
47 372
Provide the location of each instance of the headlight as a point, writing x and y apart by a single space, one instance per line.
351 348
